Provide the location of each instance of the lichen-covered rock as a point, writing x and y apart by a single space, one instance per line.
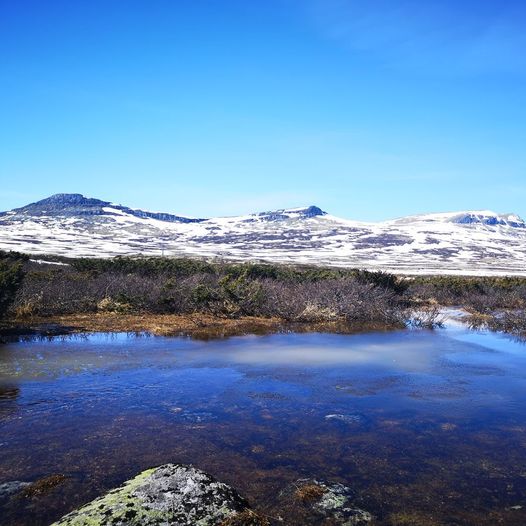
170 495
327 501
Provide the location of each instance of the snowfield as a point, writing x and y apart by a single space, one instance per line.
470 242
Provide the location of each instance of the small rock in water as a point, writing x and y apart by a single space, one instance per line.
172 494
353 418
327 501
12 487
193 416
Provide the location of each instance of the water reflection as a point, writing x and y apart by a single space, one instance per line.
8 400
400 351
403 417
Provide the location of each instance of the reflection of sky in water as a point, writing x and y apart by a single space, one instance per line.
404 351
389 368
398 351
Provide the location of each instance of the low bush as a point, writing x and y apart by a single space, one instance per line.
294 293
11 275
479 294
164 285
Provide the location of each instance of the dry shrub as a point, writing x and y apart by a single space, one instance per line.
317 313
43 486
426 318
513 322
111 305
26 309
225 290
309 493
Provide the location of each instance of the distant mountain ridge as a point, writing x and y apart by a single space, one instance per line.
77 204
483 217
490 218
466 242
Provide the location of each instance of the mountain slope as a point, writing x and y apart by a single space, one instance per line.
71 205
472 242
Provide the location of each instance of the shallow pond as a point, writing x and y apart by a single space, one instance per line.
425 427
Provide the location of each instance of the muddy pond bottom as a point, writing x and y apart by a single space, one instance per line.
426 428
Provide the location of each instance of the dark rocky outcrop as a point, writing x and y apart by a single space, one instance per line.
76 205
470 218
302 213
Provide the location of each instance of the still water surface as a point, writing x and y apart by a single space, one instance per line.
426 427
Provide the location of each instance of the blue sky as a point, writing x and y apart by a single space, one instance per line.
368 109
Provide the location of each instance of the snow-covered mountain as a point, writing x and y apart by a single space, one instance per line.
471 242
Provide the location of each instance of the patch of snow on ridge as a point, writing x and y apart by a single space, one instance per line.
489 218
467 242
483 217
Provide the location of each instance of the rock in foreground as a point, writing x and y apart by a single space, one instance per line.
319 502
172 494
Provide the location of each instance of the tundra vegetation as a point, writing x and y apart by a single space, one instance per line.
11 273
299 294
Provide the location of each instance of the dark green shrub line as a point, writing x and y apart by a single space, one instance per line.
181 267
170 285
11 275
480 294
296 293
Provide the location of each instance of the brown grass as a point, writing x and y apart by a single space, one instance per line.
309 493
246 518
43 486
197 325
411 519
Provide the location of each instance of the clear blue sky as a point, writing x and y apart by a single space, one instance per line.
368 109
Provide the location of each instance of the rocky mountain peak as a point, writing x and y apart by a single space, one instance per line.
63 204
489 218
291 213
67 199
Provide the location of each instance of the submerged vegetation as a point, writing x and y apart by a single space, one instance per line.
233 291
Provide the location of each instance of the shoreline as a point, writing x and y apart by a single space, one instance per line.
198 326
